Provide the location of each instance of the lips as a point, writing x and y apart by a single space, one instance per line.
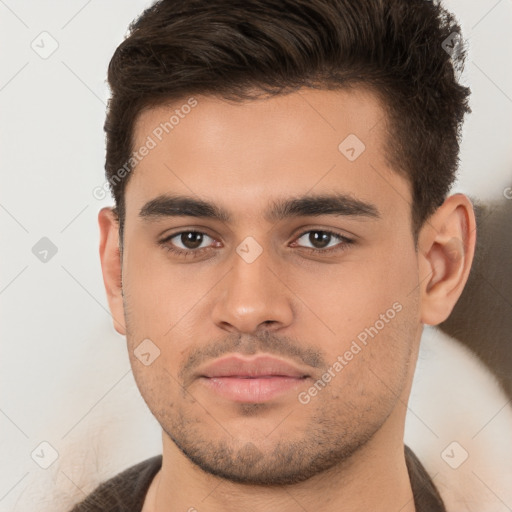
251 380
259 366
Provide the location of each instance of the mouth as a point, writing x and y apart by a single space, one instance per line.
252 380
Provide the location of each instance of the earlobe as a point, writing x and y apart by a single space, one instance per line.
111 266
446 246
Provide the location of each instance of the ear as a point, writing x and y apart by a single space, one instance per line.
446 245
111 265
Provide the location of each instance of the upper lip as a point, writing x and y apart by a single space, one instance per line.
257 366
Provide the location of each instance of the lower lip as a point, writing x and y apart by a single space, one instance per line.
252 390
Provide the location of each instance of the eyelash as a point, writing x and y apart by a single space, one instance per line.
192 253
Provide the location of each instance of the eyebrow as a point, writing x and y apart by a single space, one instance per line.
165 206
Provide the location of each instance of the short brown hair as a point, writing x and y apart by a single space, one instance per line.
243 49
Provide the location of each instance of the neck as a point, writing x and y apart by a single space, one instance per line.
374 478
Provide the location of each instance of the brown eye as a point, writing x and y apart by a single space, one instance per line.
191 239
321 239
188 241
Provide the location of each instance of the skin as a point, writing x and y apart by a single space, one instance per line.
344 449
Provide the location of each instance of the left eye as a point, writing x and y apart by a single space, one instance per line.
320 239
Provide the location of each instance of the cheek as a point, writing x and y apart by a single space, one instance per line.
343 299
165 304
159 294
158 386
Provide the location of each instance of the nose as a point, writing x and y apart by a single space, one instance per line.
252 296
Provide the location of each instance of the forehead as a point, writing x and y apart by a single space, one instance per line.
240 154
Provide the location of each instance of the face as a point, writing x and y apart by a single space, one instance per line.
270 281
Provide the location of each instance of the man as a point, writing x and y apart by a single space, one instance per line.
282 232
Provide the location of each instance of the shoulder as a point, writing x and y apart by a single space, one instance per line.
125 491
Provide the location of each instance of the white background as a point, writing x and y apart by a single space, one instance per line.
65 375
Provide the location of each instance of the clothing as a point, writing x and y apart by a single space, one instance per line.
426 496
126 491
